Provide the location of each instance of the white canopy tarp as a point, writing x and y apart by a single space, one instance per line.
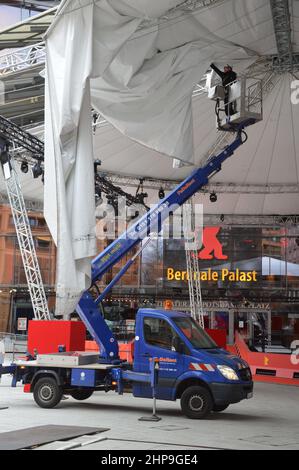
140 60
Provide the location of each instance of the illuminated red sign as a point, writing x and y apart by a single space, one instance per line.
211 246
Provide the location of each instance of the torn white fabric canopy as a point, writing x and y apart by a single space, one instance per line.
137 63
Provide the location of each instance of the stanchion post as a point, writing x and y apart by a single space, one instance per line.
154 370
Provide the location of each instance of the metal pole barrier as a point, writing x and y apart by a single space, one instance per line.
154 369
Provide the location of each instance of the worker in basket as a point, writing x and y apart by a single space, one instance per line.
228 77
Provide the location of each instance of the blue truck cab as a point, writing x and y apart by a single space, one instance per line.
192 368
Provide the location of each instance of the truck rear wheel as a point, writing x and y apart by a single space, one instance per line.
196 402
81 394
47 393
219 408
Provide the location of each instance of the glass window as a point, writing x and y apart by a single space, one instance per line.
42 243
158 332
33 222
195 334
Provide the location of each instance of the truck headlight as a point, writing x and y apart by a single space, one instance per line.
228 372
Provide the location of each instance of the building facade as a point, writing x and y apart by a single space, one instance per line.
271 253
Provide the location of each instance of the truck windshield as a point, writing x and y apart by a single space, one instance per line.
195 334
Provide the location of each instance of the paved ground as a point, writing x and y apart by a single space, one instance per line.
268 421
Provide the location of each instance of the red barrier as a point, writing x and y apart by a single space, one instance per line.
219 336
125 349
47 336
91 346
273 368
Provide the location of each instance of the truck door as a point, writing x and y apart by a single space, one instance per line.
158 340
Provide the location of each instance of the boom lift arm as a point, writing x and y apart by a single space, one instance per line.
151 222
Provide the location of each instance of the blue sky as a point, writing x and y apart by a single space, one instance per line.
11 15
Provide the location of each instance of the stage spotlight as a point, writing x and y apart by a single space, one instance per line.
213 197
37 170
140 198
24 167
161 193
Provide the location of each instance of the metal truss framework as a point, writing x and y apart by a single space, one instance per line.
18 137
193 269
12 134
219 188
27 247
209 219
31 205
32 55
22 59
286 59
27 147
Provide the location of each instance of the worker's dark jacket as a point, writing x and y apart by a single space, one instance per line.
227 77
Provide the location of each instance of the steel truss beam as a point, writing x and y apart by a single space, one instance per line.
22 59
18 137
283 33
27 247
192 265
209 219
31 204
12 134
27 147
232 188
220 188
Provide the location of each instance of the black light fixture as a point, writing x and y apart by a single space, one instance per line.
133 216
213 197
112 201
222 218
96 164
140 198
98 196
37 170
24 167
161 193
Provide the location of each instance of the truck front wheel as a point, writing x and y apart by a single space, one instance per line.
196 402
81 394
47 393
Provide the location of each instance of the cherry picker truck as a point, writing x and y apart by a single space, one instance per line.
192 368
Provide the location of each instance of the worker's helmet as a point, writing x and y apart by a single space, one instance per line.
228 67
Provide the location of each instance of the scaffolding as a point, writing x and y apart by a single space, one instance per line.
21 219
192 265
